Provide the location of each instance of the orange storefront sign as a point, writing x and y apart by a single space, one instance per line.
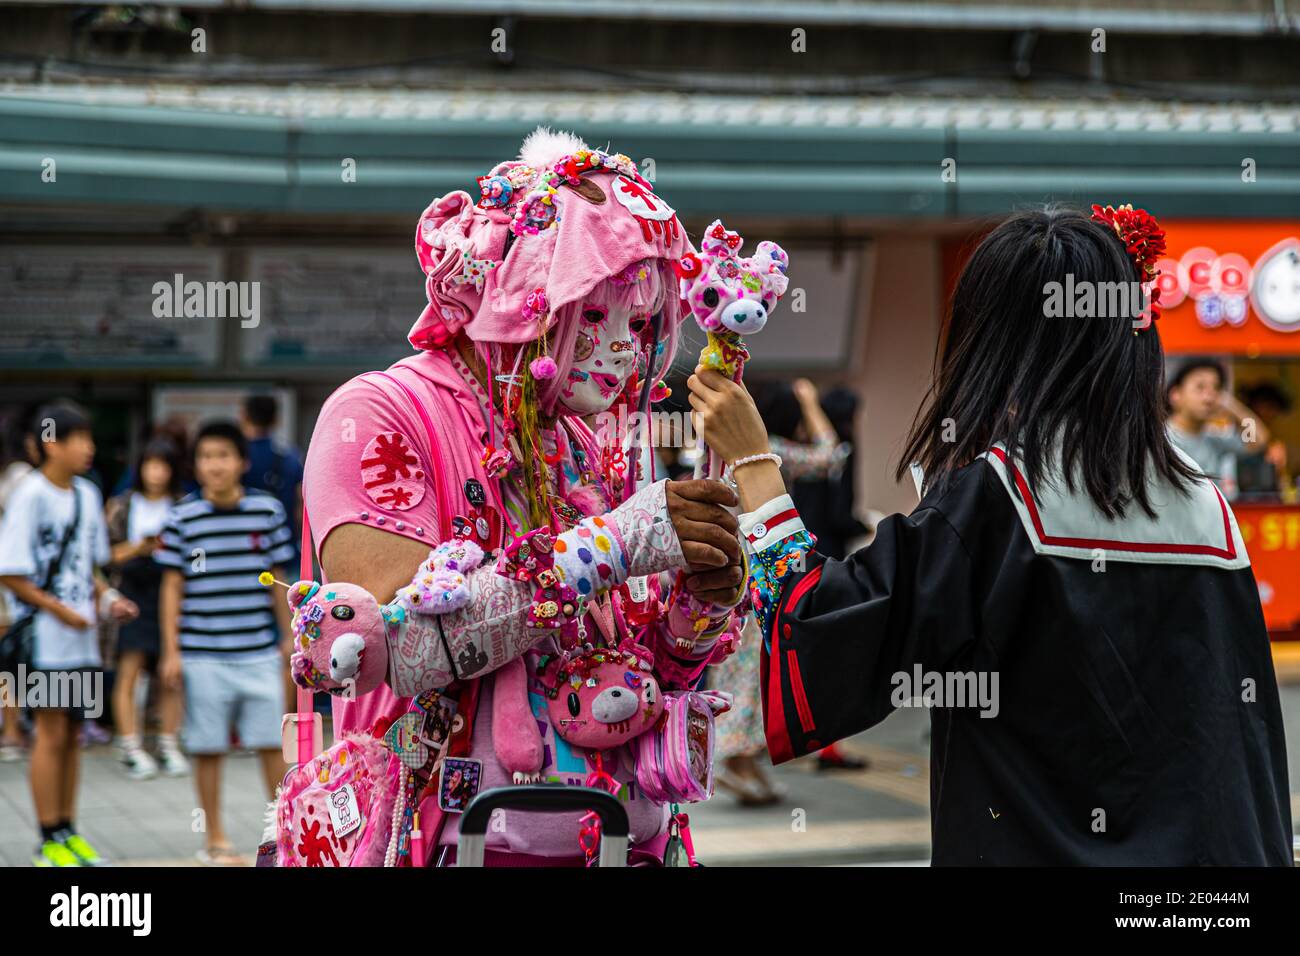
1231 288
1272 536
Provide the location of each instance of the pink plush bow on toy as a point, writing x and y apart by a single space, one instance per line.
730 298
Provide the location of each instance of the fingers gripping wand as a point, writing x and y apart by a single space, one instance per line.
730 298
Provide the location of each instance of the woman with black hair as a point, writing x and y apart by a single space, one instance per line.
135 521
1072 595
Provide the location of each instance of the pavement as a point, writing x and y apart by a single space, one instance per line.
879 815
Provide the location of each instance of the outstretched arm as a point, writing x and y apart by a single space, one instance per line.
837 633
651 532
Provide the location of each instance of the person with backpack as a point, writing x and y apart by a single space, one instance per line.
52 540
552 300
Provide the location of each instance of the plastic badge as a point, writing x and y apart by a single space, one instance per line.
344 812
289 736
637 589
474 493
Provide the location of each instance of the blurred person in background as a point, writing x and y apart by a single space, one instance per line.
1199 403
135 521
19 458
224 639
840 525
272 467
51 541
740 747
812 463
1268 471
174 430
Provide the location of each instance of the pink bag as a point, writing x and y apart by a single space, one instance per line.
338 809
674 761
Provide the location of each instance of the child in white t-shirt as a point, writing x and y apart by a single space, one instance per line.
52 539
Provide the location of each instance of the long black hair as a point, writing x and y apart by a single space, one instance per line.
1006 372
163 450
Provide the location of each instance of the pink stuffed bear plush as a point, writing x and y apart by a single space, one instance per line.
730 297
342 636
602 698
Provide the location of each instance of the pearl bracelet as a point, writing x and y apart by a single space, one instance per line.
748 459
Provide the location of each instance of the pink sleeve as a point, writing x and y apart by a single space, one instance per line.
368 463
348 434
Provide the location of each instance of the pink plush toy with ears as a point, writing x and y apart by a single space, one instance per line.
730 298
601 698
340 636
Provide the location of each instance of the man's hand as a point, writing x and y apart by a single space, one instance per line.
169 670
123 610
719 586
704 526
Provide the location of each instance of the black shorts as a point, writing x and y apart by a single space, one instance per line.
79 692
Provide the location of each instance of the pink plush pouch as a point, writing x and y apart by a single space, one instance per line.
337 810
674 761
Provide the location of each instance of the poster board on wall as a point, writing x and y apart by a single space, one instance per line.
332 308
94 307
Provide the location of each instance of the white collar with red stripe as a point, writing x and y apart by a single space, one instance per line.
1194 528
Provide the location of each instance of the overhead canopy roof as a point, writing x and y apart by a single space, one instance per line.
278 149
1222 17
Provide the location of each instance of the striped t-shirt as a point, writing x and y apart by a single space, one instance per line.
220 552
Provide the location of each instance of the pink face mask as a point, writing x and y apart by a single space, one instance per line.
604 357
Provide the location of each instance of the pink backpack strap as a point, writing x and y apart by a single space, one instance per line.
306 725
445 513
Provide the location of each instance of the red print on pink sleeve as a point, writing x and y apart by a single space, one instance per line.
392 472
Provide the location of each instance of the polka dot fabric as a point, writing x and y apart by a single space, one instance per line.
589 557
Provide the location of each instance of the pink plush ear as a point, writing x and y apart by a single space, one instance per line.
299 592
515 737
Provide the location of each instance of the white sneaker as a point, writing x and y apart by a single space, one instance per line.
139 765
10 753
173 763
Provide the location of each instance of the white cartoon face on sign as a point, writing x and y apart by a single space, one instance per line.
1275 293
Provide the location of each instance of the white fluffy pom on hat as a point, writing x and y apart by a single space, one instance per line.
543 148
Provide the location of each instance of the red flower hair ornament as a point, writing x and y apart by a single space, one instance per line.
1143 239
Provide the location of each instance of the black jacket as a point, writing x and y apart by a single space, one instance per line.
1137 719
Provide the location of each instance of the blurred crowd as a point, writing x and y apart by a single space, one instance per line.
157 589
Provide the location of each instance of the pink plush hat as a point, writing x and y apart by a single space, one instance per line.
546 230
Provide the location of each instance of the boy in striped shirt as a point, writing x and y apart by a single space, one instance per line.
224 637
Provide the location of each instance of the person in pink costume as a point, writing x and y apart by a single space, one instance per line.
552 298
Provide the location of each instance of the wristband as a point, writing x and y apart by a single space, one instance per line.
106 601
